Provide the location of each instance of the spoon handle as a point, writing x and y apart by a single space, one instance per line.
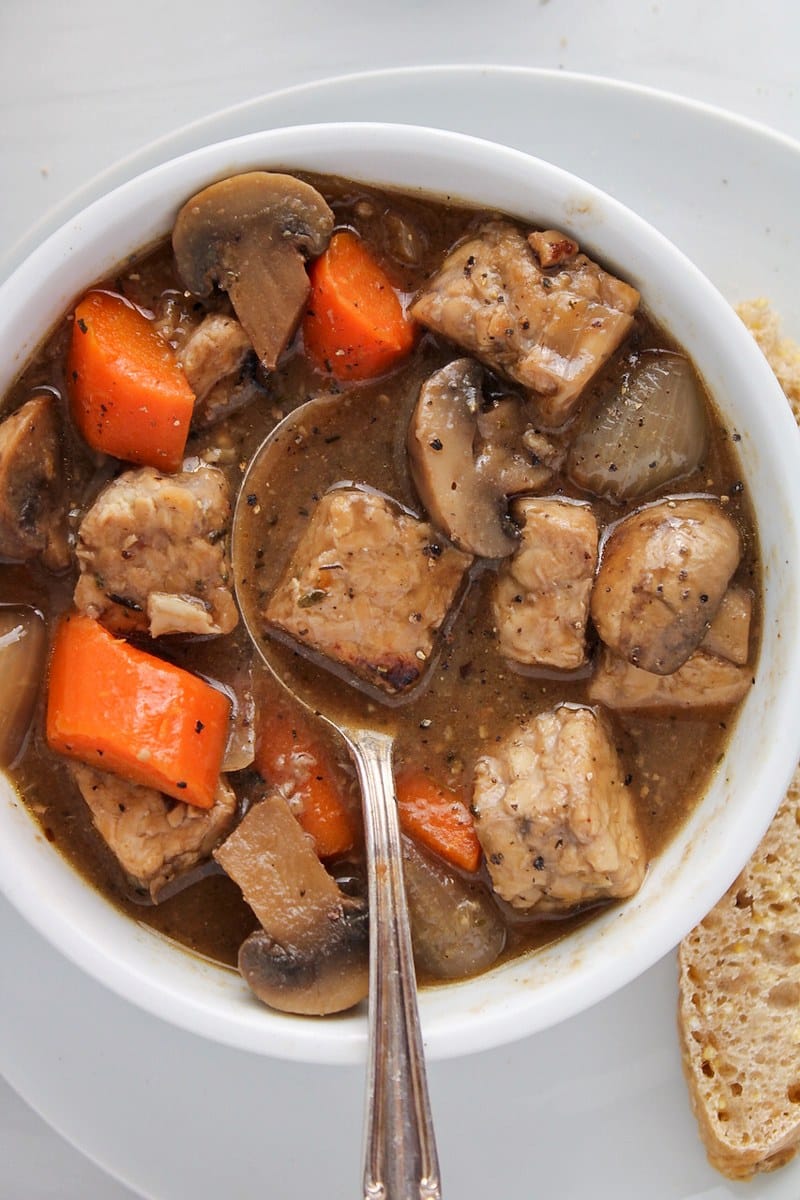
400 1160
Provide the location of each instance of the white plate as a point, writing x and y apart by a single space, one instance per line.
596 1106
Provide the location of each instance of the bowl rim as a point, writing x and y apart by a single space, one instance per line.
524 995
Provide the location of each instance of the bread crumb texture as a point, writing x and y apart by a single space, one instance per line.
782 353
739 970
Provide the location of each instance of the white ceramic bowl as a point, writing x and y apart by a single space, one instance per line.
532 993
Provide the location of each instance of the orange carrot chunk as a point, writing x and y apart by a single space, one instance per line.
291 757
437 818
128 396
354 326
132 714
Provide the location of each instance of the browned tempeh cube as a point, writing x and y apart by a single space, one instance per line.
548 330
541 596
369 586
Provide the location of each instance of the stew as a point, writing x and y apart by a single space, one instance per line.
511 521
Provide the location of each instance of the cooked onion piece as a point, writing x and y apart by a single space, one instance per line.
456 930
650 430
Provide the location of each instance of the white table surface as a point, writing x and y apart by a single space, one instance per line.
83 84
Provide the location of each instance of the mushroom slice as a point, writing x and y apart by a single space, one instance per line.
23 647
33 500
312 954
467 458
729 634
251 235
510 452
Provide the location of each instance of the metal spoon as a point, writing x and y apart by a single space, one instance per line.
400 1159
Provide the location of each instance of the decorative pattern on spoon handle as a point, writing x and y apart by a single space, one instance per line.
400 1159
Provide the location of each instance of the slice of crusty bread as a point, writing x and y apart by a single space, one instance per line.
782 353
739 970
739 1008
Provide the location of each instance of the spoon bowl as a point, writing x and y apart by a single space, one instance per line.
400 1158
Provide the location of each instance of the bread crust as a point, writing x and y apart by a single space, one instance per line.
781 352
739 1008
